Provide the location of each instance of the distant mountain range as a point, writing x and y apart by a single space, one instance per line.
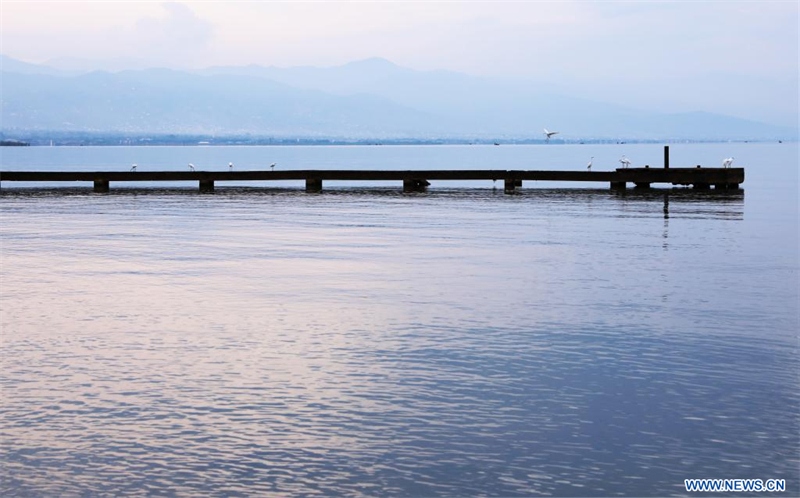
373 98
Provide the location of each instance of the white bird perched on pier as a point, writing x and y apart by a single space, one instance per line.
272 166
191 167
589 166
133 167
726 163
230 166
549 134
625 161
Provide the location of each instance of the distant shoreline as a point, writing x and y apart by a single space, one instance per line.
111 139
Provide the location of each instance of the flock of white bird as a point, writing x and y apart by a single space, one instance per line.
726 163
191 167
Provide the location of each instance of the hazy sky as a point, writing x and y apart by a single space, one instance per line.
740 56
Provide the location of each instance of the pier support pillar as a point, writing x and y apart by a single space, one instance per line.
206 185
642 185
313 185
510 185
101 186
701 186
415 185
618 185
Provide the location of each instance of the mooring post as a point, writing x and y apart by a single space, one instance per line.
313 185
206 185
666 157
101 186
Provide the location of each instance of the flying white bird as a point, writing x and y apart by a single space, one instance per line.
726 163
589 166
133 167
625 161
549 134
191 167
230 166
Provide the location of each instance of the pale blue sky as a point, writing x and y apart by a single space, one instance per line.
740 58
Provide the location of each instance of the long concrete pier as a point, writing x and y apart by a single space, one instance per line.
412 180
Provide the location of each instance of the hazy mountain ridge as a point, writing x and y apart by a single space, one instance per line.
370 98
147 101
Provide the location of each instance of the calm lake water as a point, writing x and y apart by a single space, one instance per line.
364 342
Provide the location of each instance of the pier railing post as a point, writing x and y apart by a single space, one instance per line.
666 157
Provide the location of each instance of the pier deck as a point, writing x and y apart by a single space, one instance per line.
413 180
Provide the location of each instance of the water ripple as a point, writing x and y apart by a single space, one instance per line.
458 343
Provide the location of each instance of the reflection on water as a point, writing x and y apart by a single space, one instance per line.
698 199
372 343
